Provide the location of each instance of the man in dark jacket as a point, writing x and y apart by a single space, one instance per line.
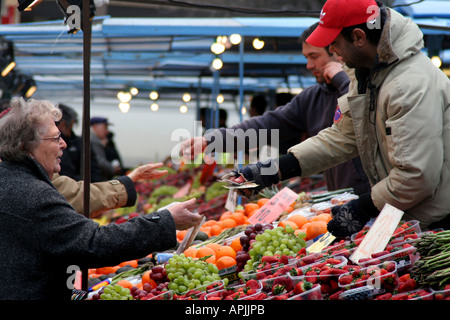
309 112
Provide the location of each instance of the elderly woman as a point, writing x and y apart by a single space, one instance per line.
41 235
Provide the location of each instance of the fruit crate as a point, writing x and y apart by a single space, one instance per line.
313 294
382 278
404 258
237 292
166 295
200 292
443 294
262 274
403 228
340 262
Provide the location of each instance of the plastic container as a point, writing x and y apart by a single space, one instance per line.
361 293
166 295
286 280
402 229
200 292
259 275
404 258
374 277
314 294
222 294
342 262
443 294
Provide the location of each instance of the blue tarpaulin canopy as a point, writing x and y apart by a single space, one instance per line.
173 54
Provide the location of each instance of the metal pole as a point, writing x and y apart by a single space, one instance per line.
87 33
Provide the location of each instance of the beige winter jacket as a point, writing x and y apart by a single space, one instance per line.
403 139
104 195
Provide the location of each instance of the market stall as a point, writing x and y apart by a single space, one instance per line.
274 247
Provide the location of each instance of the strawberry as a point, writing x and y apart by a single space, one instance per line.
400 296
335 296
345 279
254 284
333 261
407 285
284 281
386 296
302 286
379 254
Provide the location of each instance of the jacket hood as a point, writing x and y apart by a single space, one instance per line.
400 38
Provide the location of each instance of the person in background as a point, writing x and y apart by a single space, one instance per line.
283 98
72 158
395 116
42 236
99 141
258 105
305 115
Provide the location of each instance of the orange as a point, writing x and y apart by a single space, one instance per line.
298 219
125 284
146 279
209 223
216 229
204 251
289 209
262 201
181 234
284 223
236 244
131 263
190 252
225 215
107 270
227 223
316 228
211 259
213 246
321 217
252 213
225 262
249 207
238 217
206 230
225 251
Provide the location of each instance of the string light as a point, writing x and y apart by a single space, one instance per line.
154 95
217 64
258 44
154 107
186 97
183 109
134 91
124 97
124 107
235 38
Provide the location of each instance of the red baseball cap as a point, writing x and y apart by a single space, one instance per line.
338 14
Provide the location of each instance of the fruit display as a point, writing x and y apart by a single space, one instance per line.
232 259
185 273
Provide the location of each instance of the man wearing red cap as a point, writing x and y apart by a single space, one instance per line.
396 117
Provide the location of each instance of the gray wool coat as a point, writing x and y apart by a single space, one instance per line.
41 235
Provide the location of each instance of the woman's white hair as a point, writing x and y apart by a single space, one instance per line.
21 128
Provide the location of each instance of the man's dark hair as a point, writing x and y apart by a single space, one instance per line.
374 34
68 114
307 33
259 103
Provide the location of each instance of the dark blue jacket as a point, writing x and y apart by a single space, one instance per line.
41 235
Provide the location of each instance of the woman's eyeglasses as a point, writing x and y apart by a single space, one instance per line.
56 139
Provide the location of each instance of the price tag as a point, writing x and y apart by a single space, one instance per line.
321 243
379 233
273 208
